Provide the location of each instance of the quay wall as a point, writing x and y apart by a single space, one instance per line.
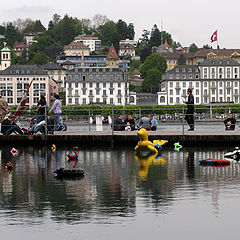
107 139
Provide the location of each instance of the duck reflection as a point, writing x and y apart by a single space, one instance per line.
147 160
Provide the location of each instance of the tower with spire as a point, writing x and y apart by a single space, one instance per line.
112 59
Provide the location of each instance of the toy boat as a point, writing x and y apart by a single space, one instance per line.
214 162
234 154
69 173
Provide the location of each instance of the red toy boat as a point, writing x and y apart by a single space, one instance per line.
214 162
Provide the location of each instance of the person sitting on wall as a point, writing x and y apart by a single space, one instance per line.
145 122
129 122
230 122
118 124
9 126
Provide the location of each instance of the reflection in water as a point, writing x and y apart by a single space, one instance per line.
117 185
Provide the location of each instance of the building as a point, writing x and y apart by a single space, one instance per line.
28 38
135 78
112 59
101 85
126 50
15 79
5 58
128 41
19 48
57 73
92 42
76 49
212 81
163 48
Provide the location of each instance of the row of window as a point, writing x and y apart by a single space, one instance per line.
92 93
91 85
205 84
76 101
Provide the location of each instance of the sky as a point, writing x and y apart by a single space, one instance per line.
188 21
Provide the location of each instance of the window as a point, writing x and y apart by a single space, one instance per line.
119 100
205 84
76 101
171 92
119 84
97 92
91 92
197 84
90 85
171 84
236 91
111 91
236 99
177 91
213 99
228 91
177 100
197 91
205 73
111 100
70 100
213 91
171 100
84 92
119 92
162 99
104 92
228 72
220 84
184 84
197 99
111 85
220 91
205 92
104 84
84 100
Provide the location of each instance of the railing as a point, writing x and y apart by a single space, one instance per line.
170 118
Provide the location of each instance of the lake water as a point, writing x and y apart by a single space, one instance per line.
120 197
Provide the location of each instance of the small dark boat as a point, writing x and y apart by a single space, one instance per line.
69 173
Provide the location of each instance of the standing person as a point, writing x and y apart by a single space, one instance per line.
190 110
57 109
3 108
154 123
129 121
41 107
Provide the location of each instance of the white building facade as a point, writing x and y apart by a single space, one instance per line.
92 42
212 81
15 79
100 85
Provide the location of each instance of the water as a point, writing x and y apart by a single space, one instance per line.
120 197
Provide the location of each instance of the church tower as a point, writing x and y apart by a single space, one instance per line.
112 59
5 58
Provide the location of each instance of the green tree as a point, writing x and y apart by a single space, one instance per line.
168 37
193 48
146 51
53 50
145 37
152 79
67 30
56 18
122 29
38 27
40 58
154 61
130 31
109 34
11 35
155 39
181 59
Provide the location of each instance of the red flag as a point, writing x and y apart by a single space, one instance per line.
22 104
214 37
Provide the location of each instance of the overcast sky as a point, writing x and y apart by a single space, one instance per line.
188 21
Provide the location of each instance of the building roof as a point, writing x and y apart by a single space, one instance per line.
219 62
112 54
76 45
166 45
52 66
68 63
85 37
126 46
20 45
218 52
5 49
184 68
18 69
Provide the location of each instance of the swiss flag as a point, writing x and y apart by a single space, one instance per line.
214 37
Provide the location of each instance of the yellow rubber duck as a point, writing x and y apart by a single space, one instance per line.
144 144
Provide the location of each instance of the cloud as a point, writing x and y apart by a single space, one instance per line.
33 12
